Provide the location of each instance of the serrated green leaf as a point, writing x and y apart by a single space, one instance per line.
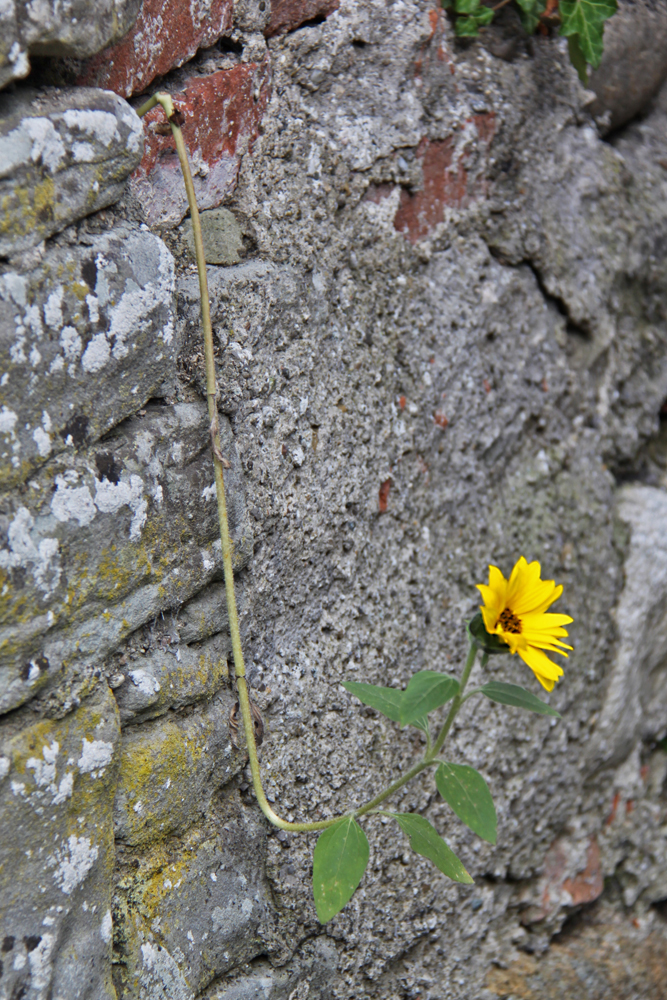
339 862
484 15
577 58
490 644
518 697
586 19
466 27
388 701
530 13
467 6
425 840
426 691
465 790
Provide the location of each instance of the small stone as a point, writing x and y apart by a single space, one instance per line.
76 30
221 236
634 62
63 156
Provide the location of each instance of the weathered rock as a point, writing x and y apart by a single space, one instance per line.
166 34
194 908
606 954
87 337
222 112
170 768
49 29
635 706
221 235
64 155
634 62
312 974
56 884
107 539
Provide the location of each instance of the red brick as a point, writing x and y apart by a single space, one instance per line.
223 113
587 885
448 180
383 496
286 15
166 34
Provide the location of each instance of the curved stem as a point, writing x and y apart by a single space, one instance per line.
458 700
219 461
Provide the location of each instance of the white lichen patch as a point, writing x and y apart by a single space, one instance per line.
110 497
96 755
106 928
70 503
39 555
72 862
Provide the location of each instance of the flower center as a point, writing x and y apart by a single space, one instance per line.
509 622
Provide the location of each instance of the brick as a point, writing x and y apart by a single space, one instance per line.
166 34
222 113
286 15
453 175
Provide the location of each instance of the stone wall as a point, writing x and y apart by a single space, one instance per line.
438 292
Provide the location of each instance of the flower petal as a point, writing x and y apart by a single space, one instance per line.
546 671
542 622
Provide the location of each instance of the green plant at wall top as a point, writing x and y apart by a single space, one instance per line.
512 619
580 21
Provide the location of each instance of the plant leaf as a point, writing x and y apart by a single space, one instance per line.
466 27
530 13
488 643
484 15
467 6
388 701
586 18
421 723
339 862
466 791
518 697
425 840
577 58
426 691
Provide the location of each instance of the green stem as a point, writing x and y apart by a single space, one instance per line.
458 700
167 104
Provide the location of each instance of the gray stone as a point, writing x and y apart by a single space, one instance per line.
202 900
634 62
311 975
635 706
55 886
107 539
221 235
170 768
64 155
86 337
48 29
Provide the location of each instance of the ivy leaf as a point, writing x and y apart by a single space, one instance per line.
339 862
425 840
426 691
466 791
388 701
586 18
577 58
466 27
530 13
518 697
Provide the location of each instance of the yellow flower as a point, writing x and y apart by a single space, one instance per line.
515 609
